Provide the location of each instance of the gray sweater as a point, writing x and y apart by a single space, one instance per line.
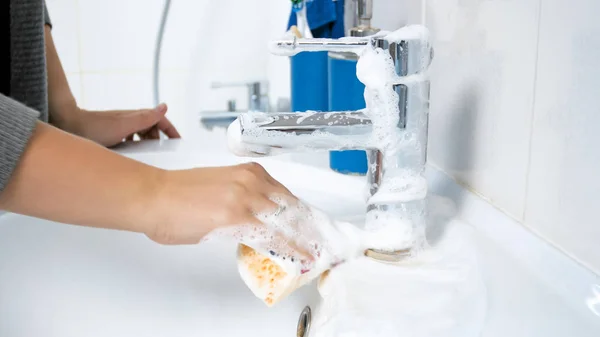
23 79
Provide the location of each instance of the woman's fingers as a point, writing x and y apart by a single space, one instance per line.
151 133
154 133
272 186
167 127
283 245
283 222
278 187
261 206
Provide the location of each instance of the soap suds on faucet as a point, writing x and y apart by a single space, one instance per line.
436 292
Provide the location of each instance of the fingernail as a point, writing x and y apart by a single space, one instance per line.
162 107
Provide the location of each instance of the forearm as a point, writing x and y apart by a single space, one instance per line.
65 178
62 106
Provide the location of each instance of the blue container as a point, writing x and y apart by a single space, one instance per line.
309 81
346 92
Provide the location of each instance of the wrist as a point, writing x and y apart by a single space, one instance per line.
150 202
67 118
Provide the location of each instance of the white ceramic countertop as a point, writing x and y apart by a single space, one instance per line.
58 280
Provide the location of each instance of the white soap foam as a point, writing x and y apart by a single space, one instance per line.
381 235
438 293
402 183
410 32
400 187
300 234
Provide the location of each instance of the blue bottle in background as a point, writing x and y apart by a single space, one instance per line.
309 88
323 81
346 92
309 81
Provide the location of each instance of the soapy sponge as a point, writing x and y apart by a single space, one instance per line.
271 278
295 246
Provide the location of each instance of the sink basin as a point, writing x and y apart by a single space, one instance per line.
67 281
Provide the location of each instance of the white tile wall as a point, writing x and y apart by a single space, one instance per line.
65 32
514 111
109 46
105 91
117 35
391 14
514 108
564 181
482 94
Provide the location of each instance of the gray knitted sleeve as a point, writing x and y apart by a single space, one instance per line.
17 123
47 15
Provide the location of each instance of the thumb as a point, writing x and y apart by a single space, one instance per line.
138 120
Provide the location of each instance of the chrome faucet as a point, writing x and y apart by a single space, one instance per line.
258 101
395 179
257 97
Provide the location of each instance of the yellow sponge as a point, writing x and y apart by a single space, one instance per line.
270 277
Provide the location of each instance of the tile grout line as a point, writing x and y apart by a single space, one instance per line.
539 233
533 102
469 190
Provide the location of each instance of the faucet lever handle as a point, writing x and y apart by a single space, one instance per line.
256 91
254 86
293 46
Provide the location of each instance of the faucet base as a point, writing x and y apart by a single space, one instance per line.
395 231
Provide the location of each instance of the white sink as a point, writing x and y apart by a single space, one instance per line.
67 281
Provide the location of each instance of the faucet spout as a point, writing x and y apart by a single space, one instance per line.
393 130
287 132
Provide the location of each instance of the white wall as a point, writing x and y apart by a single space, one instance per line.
107 47
515 105
515 111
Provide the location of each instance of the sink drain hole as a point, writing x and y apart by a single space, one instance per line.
304 322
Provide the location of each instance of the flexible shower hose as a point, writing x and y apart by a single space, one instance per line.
157 49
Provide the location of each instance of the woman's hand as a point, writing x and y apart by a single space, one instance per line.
107 128
92 186
192 203
110 128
